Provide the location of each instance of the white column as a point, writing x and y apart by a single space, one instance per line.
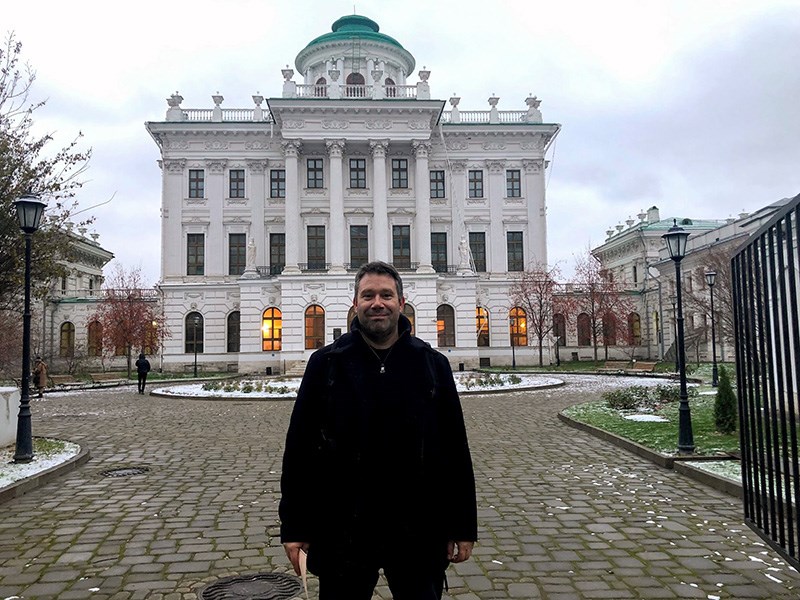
216 244
423 207
336 232
256 193
173 240
293 235
496 198
380 216
536 244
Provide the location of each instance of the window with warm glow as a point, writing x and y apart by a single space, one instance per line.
482 325
271 326
315 327
445 326
518 324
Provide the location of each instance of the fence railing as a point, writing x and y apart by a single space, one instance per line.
484 116
767 332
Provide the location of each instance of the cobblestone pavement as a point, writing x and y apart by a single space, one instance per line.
562 514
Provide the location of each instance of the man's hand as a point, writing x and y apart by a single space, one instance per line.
459 551
293 550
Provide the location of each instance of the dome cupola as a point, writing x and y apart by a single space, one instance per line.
355 51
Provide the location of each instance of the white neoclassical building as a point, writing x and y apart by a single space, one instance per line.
268 211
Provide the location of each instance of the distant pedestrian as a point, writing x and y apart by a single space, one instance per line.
40 375
142 369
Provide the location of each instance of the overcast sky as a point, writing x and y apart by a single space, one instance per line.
690 106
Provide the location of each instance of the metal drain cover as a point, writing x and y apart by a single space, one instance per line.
125 472
258 586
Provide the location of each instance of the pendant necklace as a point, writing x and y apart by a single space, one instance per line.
382 370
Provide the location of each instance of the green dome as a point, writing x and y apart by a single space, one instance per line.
354 26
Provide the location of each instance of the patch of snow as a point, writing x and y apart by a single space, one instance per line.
11 472
647 418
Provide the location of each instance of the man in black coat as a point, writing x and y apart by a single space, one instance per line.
377 472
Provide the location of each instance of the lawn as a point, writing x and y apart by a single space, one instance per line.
660 436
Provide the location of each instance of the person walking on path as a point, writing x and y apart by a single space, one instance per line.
142 369
377 472
40 375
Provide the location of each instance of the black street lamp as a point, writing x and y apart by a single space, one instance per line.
29 213
675 239
674 299
196 323
511 321
711 279
558 358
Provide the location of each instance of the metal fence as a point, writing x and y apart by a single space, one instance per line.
767 331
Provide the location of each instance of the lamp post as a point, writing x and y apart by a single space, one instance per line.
513 352
196 323
675 239
558 358
674 299
29 213
711 279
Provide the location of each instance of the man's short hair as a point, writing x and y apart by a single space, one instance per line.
379 268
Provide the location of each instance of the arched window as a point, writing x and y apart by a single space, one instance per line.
271 326
482 325
445 326
391 90
315 327
584 330
234 331
67 341
560 328
634 329
518 326
355 85
193 333
408 311
609 330
94 346
321 87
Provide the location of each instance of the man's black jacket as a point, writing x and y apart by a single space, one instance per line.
376 456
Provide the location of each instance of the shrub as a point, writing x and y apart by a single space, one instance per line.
619 400
725 404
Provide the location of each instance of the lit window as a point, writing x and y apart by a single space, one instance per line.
271 328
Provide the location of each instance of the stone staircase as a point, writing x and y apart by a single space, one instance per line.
297 370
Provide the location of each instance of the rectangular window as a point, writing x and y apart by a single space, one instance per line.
439 251
197 183
516 260
477 246
359 246
476 184
437 184
236 183
195 254
277 183
358 173
401 246
237 253
399 173
314 173
277 253
513 183
316 247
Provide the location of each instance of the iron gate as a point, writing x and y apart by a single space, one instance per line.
767 332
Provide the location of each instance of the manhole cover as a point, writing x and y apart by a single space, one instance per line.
125 472
260 586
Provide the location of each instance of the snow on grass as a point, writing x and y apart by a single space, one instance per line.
46 453
647 418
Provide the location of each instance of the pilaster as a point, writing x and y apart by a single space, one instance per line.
423 207
291 151
497 233
336 232
536 244
379 205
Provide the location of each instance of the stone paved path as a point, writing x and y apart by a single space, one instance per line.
562 514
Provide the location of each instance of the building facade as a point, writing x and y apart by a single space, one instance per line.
636 256
268 211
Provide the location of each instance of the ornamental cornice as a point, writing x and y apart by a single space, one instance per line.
257 166
334 124
258 145
533 165
378 124
455 146
177 145
419 125
216 145
458 166
493 146
293 124
496 166
173 166
216 165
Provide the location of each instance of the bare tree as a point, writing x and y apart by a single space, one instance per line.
602 299
29 164
698 299
534 292
129 315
